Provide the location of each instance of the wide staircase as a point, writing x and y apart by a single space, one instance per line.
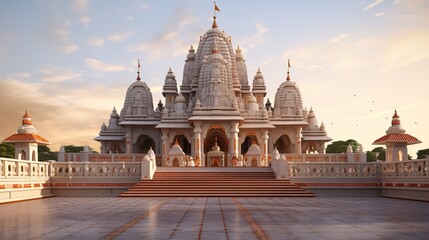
215 182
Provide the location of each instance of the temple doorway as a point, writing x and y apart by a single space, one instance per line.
216 147
283 144
143 144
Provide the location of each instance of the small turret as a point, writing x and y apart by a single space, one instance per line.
170 90
259 89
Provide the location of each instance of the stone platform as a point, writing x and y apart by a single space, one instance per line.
215 218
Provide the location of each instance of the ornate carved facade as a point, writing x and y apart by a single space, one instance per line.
216 107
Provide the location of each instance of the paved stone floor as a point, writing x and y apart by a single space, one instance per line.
215 218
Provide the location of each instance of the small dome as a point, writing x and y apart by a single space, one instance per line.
114 113
180 98
252 98
191 54
258 79
27 129
254 150
176 150
216 148
170 79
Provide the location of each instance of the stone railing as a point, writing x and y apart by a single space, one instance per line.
329 157
96 169
413 168
332 170
13 168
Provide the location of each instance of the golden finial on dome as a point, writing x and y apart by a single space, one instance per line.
288 70
216 8
138 70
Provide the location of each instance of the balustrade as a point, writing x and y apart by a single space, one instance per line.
332 169
96 169
414 168
10 168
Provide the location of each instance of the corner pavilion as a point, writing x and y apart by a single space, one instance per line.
215 116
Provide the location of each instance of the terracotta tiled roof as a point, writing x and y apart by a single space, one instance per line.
397 137
26 138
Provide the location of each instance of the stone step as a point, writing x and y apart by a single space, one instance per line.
207 184
217 195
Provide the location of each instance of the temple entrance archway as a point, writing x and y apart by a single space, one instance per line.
144 143
283 144
216 136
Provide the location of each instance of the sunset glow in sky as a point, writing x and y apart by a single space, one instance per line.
70 62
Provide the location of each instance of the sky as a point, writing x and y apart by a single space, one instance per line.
70 62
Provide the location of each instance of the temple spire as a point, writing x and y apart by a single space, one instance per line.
216 8
138 70
288 70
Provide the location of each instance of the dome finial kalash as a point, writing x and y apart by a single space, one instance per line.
216 8
138 70
288 70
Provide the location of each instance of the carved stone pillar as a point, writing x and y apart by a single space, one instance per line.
165 147
265 146
234 141
298 141
128 141
197 144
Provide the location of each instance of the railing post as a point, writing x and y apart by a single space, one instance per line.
51 171
427 167
378 171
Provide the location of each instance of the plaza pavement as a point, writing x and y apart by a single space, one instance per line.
215 218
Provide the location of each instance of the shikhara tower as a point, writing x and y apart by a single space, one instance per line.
214 107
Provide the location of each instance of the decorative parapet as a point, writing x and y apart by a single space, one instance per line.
96 169
413 168
13 168
332 170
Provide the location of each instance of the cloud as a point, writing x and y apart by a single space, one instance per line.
167 43
53 74
145 6
60 32
21 75
85 21
71 48
80 5
338 55
97 65
61 35
119 36
95 41
255 39
379 14
405 48
339 38
373 4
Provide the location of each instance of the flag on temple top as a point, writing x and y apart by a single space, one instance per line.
216 8
288 63
138 62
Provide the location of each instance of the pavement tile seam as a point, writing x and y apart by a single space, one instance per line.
136 220
259 231
202 219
